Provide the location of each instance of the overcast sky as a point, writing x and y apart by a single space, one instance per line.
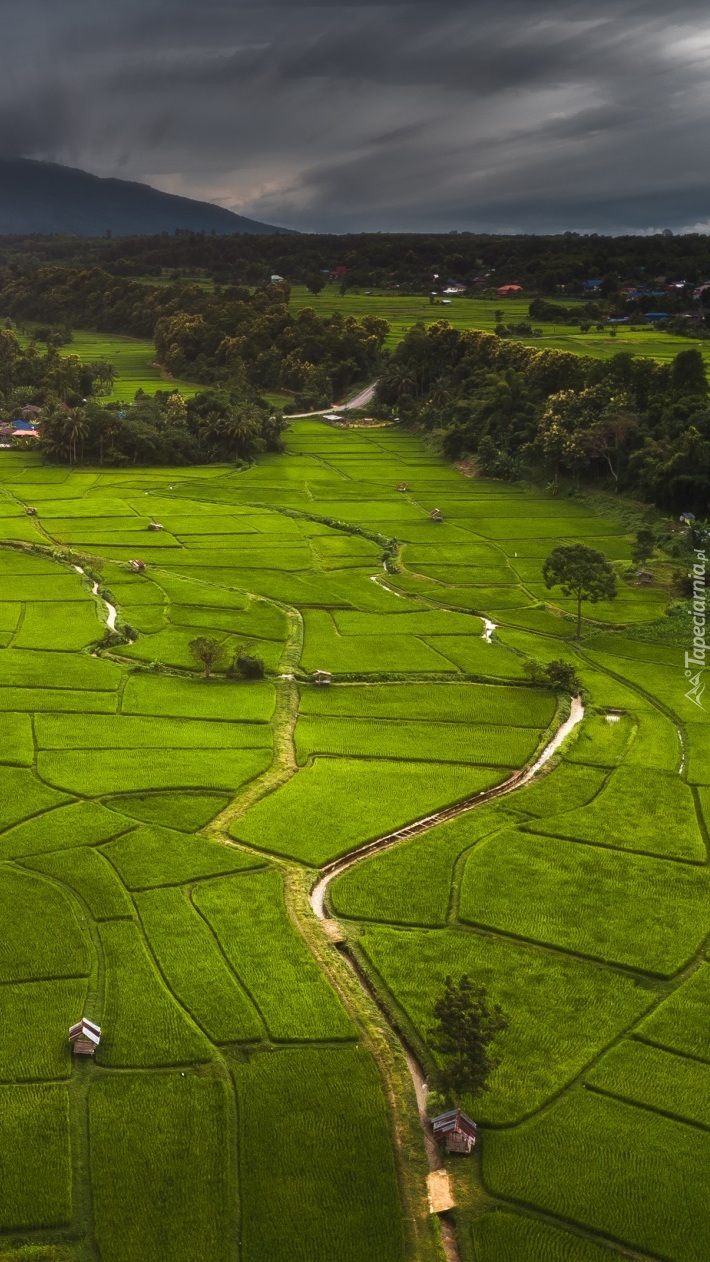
502 115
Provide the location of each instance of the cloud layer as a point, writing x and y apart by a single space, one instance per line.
345 116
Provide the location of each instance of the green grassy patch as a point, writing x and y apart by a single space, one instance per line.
56 946
618 1169
657 1079
199 699
645 913
142 1027
35 1158
681 1022
326 1158
195 968
186 811
561 1012
504 1237
411 883
35 1019
662 820
85 871
336 804
601 741
105 771
435 742
98 732
17 743
249 918
152 856
461 703
162 1171
81 824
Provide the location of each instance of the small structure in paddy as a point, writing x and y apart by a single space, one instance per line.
155 525
460 1133
436 515
403 486
137 567
322 678
84 1037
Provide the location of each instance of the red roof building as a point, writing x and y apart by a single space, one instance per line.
460 1133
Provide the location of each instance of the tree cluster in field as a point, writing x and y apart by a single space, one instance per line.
629 423
212 336
28 377
223 424
541 264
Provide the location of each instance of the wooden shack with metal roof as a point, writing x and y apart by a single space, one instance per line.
84 1037
460 1133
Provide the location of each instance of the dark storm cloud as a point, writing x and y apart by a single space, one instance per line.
352 114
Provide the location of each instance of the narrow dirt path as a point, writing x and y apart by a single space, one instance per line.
516 781
317 900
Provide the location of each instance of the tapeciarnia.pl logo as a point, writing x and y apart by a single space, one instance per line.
695 662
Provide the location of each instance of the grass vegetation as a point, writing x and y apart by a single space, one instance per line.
249 919
579 1159
197 957
361 799
35 1157
145 1027
195 968
656 1079
329 1103
648 914
60 950
151 856
505 1237
164 1190
562 1012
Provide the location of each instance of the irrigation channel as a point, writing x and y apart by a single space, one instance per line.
112 612
318 895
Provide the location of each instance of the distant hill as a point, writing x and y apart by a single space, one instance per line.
47 198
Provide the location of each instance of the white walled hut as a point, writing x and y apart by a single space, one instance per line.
322 678
457 1129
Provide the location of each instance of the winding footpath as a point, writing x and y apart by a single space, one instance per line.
318 898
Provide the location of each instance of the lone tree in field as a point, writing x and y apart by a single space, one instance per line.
562 675
465 1026
581 572
207 651
644 546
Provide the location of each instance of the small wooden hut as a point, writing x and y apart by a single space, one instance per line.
436 515
322 678
31 512
460 1133
84 1037
155 525
136 566
403 486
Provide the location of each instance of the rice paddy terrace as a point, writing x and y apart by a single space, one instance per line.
160 835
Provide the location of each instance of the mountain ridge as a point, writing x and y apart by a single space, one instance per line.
47 198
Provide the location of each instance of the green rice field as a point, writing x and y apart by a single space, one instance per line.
402 311
161 833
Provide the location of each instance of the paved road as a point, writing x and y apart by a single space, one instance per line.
361 400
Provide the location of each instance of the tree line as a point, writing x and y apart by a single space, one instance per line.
630 423
540 263
213 336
